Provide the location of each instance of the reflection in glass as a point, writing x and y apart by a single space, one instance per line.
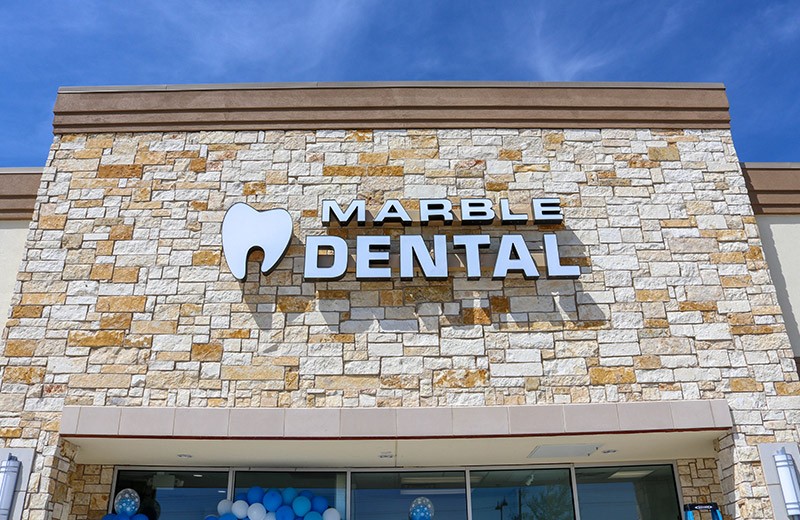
175 495
389 495
330 485
525 494
629 492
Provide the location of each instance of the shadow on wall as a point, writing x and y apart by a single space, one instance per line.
771 240
349 306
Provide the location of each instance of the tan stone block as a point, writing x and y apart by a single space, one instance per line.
27 375
105 247
496 186
43 298
656 323
385 171
26 311
343 171
393 298
154 327
378 158
294 304
499 304
252 373
611 375
757 329
171 379
121 303
148 157
430 293
652 295
678 223
101 272
417 153
20 347
115 321
232 334
254 188
121 232
553 140
125 275
100 381
99 338
647 362
206 258
476 316
783 388
727 258
529 168
697 306
745 384
119 171
736 281
460 378
206 351
668 153
361 136
191 309
510 155
330 294
10 432
52 221
197 164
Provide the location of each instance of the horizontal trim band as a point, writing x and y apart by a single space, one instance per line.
388 106
774 188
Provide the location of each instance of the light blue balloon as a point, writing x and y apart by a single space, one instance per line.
289 494
301 506
272 500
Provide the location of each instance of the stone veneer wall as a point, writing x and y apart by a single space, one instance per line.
123 298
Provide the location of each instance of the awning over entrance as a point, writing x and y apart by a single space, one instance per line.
382 437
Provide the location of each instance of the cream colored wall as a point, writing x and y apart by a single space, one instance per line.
12 247
780 236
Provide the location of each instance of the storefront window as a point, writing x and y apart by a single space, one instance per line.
641 492
175 495
414 495
307 494
525 494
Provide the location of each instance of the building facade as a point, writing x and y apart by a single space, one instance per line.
610 345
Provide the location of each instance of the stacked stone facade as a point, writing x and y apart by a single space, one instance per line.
124 298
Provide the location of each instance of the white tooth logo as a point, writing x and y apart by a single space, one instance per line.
245 229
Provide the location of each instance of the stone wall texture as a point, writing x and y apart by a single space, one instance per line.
124 298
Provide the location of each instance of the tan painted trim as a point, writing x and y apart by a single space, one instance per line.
774 188
386 106
18 188
388 423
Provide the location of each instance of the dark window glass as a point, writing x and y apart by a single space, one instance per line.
627 492
175 495
331 486
387 495
524 494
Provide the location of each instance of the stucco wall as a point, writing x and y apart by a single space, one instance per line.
126 300
779 234
12 238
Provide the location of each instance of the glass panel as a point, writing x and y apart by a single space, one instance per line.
524 494
324 490
627 492
385 495
175 495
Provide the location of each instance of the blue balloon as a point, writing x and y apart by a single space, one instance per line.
110 516
140 516
272 500
284 513
301 505
289 494
313 515
242 495
319 504
255 494
306 493
228 516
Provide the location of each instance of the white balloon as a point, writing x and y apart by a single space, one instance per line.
224 507
239 508
257 512
331 514
271 516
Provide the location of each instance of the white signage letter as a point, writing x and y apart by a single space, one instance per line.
357 208
507 217
472 244
513 255
433 267
440 209
392 211
312 270
547 211
477 211
553 259
372 249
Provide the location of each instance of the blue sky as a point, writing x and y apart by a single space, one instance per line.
753 47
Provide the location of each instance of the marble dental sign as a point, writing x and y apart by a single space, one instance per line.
245 229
